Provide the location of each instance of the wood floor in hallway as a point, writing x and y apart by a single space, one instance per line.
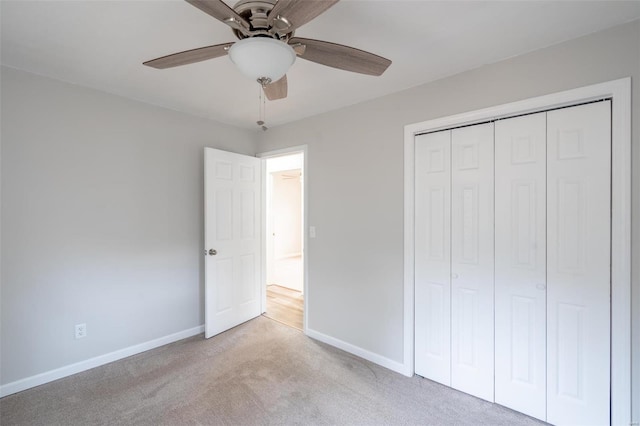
285 305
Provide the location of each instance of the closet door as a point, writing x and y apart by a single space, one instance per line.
520 265
578 251
472 260
432 256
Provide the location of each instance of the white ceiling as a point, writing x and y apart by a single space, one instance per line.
102 44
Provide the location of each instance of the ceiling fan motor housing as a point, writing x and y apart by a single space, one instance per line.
256 12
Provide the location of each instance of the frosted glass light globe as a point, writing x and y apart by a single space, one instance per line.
262 57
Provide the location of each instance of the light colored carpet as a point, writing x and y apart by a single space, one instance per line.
260 373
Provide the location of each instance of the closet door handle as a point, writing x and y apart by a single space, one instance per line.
454 276
541 286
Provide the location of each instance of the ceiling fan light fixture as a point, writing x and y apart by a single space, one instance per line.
261 58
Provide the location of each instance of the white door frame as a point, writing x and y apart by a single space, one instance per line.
305 197
620 92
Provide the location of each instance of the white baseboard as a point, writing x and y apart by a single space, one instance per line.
396 366
68 370
59 373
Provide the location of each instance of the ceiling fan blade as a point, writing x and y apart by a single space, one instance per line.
277 90
219 10
189 56
341 57
297 12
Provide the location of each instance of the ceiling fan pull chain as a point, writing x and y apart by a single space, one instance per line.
262 108
264 111
260 122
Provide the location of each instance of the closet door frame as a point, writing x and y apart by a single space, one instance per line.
619 91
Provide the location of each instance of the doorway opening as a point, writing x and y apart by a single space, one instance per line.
284 239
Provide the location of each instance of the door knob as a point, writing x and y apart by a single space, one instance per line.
212 252
454 276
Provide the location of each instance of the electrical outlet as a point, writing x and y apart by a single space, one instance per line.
81 331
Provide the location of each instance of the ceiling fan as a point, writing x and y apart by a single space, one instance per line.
267 46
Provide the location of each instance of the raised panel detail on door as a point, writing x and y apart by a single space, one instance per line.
578 269
570 365
524 201
432 257
523 368
472 260
248 282
224 214
223 170
570 230
436 232
520 264
248 213
224 288
467 338
247 173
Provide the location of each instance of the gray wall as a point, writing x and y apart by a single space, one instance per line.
355 178
102 205
102 221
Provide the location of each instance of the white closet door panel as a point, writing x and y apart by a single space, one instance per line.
432 257
520 264
578 280
472 260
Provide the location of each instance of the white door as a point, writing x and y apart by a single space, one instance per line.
520 264
433 256
472 260
578 269
232 239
